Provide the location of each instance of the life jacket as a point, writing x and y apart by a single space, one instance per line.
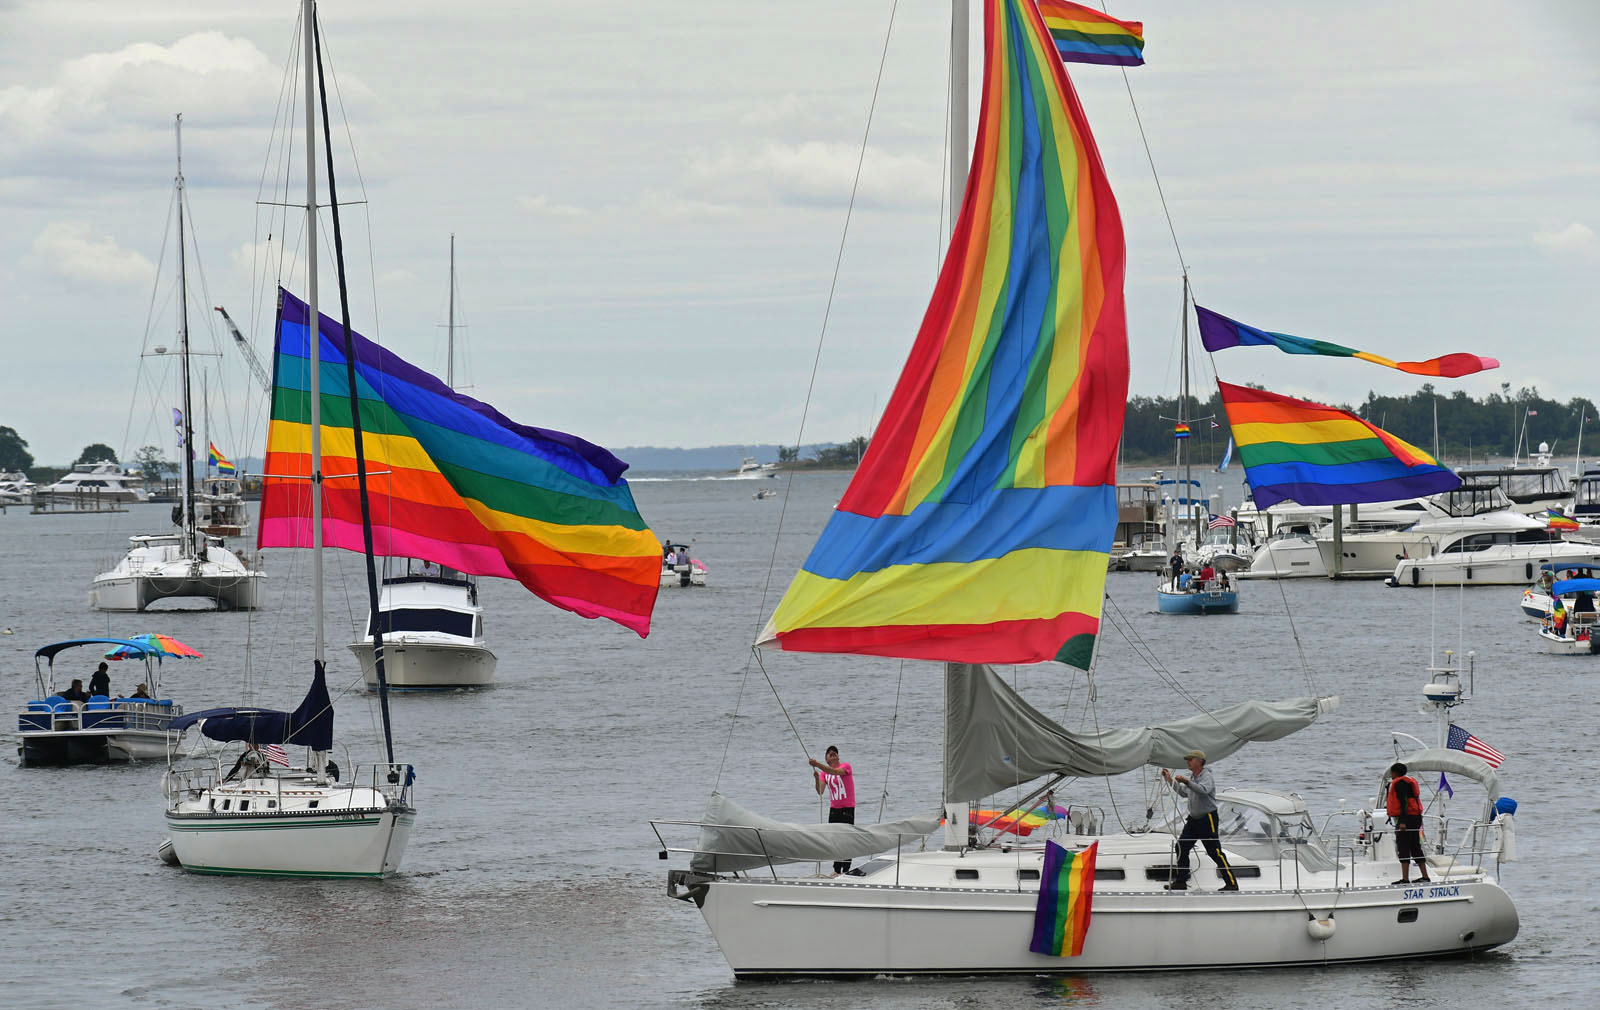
1413 803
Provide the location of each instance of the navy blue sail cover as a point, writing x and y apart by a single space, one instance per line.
309 725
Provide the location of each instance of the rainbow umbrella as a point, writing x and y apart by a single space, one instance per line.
159 645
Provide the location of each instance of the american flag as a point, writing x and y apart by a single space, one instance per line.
1220 523
276 755
1461 740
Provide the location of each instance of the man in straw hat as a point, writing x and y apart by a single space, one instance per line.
1200 789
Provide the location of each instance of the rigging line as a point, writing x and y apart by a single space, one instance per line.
1139 121
883 798
1121 623
1294 630
833 285
772 560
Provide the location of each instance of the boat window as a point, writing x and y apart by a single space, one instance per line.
313 803
966 874
273 803
244 804
1033 875
425 619
1537 537
1407 915
1115 873
228 803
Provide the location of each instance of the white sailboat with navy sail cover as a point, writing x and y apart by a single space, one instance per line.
993 467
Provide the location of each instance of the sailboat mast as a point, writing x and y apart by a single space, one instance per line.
959 26
1183 402
955 814
186 464
308 16
450 330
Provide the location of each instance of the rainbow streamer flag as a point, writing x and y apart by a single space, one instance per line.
1316 455
1180 431
218 460
979 523
452 480
1218 332
1557 521
1085 35
1066 893
1015 821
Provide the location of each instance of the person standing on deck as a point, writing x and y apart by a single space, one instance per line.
1200 789
839 780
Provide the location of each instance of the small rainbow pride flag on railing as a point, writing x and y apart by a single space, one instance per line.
1066 892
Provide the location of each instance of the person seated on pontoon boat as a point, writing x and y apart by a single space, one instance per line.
140 692
75 692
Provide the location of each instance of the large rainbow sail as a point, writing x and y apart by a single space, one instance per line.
978 526
1218 332
452 480
1316 455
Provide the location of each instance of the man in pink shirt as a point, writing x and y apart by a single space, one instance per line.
836 777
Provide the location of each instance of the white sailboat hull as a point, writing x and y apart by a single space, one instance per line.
338 843
834 928
414 665
135 593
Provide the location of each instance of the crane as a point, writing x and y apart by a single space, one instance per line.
256 368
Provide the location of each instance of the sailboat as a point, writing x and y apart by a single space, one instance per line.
429 612
265 816
189 562
976 531
1181 589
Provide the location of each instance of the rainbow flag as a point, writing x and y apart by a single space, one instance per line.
1016 821
1085 35
1180 431
218 460
1316 455
978 525
1066 894
1557 521
1218 332
452 480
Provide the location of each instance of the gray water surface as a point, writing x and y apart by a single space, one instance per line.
532 878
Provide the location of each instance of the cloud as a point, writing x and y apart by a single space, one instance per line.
816 173
540 205
67 248
1576 237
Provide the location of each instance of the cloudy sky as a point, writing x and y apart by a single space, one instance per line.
648 209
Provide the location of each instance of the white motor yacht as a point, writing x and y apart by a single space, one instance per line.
1496 549
1371 554
432 630
1290 553
749 468
95 481
15 488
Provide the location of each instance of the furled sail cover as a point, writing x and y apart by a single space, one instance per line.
978 525
995 740
1302 451
733 838
309 725
453 481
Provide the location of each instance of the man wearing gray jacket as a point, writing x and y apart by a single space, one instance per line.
1200 789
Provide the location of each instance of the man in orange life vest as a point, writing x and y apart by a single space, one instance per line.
1405 810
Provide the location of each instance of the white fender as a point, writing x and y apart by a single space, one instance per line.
1321 929
1505 830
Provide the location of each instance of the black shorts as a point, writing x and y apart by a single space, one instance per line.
1408 837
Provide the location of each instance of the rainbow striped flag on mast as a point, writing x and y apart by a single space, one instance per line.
452 481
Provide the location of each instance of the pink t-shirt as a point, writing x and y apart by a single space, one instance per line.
840 789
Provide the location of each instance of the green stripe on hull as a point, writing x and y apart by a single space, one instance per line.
223 826
234 871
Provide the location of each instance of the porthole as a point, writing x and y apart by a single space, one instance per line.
1407 915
